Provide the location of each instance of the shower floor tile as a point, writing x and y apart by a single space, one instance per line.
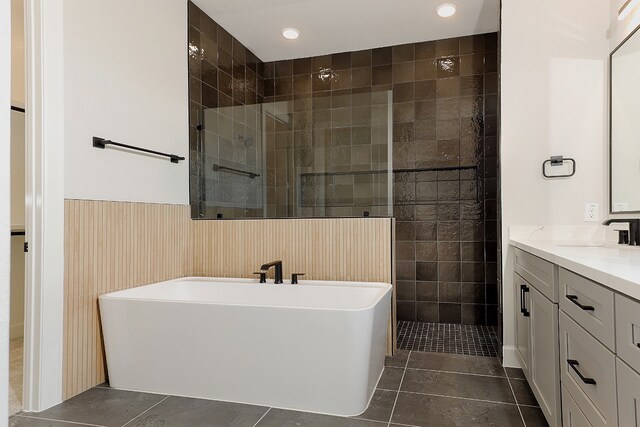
473 340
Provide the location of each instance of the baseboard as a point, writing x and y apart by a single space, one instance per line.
16 331
510 360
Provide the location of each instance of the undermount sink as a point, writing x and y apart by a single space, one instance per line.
582 244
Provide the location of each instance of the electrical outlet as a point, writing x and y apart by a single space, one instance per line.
592 212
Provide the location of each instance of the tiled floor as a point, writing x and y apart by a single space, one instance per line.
475 340
416 389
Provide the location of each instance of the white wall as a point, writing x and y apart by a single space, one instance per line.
17 265
125 79
17 219
16 323
17 169
553 102
17 53
5 125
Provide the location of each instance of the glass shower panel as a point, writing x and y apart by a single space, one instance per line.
231 156
317 156
329 156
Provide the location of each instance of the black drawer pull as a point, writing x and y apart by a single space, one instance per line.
523 308
573 364
574 299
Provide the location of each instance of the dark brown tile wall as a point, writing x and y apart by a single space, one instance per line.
328 155
445 99
225 79
445 121
445 127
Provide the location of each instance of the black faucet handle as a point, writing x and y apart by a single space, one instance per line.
294 278
263 275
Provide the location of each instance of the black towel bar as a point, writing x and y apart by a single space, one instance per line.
102 143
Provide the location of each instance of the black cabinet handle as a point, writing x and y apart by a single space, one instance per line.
523 308
574 299
574 363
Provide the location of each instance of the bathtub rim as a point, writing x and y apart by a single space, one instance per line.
384 287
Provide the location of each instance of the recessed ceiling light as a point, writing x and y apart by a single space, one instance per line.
290 33
446 10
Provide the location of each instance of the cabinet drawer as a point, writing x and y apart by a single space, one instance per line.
572 416
542 274
628 331
628 395
589 304
582 355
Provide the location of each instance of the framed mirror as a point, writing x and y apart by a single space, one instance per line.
624 167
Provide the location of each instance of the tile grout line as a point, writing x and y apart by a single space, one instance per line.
59 421
263 415
516 399
399 387
457 373
144 412
460 397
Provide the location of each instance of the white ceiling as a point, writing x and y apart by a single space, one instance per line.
332 26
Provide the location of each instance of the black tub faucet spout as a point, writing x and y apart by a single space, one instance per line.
278 270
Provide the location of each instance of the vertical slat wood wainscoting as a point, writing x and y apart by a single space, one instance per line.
337 249
111 246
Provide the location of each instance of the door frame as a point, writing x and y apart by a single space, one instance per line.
44 288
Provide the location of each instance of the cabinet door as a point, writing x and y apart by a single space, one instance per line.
544 366
571 414
628 395
523 322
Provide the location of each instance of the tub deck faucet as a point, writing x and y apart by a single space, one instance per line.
278 270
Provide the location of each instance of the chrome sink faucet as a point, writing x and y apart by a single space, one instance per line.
265 268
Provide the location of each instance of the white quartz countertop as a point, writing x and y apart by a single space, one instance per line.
615 266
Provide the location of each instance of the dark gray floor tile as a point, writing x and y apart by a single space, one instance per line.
495 389
524 395
456 363
391 378
381 406
515 373
533 417
398 360
183 411
107 407
22 421
422 410
284 418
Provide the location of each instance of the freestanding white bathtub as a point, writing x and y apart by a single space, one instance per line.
317 346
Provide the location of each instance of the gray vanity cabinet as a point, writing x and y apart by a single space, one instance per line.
628 395
544 375
578 341
537 347
572 416
523 324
